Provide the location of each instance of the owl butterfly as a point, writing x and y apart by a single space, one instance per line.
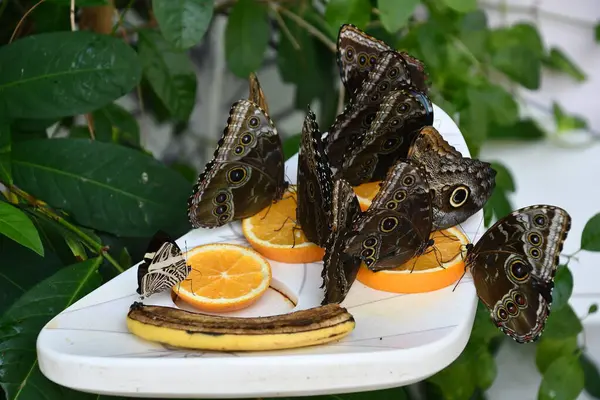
256 93
390 74
397 224
400 116
246 173
314 188
340 268
461 185
358 52
163 266
513 267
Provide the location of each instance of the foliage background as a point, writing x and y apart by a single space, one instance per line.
82 193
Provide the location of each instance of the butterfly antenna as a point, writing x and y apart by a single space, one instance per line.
478 226
462 276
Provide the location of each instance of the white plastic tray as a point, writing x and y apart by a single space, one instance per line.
398 339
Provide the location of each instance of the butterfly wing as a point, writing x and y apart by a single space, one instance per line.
397 224
340 268
401 114
358 52
390 73
513 267
163 266
257 96
461 185
314 189
246 173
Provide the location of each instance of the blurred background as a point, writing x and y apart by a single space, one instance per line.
520 77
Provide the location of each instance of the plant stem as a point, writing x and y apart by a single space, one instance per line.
43 208
121 17
23 19
309 28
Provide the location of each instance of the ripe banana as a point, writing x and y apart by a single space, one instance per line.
184 329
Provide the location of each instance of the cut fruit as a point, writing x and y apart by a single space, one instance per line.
427 274
366 192
224 277
274 233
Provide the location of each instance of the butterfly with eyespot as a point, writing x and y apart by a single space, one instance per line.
513 267
401 115
339 267
246 173
349 128
314 184
461 185
163 266
397 225
358 52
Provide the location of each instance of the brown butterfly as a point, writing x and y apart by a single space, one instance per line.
513 266
461 185
358 52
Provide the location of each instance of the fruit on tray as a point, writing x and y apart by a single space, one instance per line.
224 277
365 193
440 266
184 329
274 233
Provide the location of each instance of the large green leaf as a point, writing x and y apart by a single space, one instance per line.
394 14
5 146
19 373
356 12
590 237
15 224
563 380
504 179
562 323
103 185
563 287
169 72
474 120
65 73
246 37
592 376
549 350
462 5
526 129
183 22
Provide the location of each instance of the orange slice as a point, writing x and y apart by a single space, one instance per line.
224 277
274 233
427 274
365 193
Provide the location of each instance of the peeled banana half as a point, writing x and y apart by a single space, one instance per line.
184 329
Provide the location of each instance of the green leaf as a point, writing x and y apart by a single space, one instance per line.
499 204
394 14
526 129
563 287
51 17
462 5
474 120
590 237
566 122
20 325
593 309
76 248
83 3
187 171
385 394
60 74
246 37
597 32
125 258
458 381
549 350
518 51
502 107
591 376
558 61
104 186
486 370
504 179
17 226
562 323
115 124
183 22
356 12
474 33
563 380
291 145
5 146
169 72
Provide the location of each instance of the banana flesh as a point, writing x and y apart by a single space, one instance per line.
184 329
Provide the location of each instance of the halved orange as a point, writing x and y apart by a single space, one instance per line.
433 270
274 233
224 277
366 192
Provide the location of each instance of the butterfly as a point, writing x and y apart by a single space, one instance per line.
401 115
358 52
461 185
163 266
340 268
347 131
246 173
314 188
513 266
397 225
